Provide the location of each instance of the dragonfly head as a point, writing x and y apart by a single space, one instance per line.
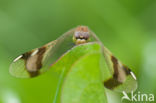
81 35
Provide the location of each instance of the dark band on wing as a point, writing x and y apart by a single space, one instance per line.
115 67
40 56
112 83
38 63
25 56
126 69
33 74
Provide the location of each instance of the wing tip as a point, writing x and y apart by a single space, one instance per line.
15 73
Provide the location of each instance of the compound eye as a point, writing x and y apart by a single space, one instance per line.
86 36
81 35
77 35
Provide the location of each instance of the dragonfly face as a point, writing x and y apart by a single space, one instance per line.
81 35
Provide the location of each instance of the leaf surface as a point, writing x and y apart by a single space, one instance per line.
79 78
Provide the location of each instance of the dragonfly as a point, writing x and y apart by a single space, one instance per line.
39 60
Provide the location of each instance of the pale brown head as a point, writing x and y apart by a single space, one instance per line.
81 35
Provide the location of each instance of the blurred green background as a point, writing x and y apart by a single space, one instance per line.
126 27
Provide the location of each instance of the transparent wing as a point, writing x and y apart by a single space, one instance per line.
31 63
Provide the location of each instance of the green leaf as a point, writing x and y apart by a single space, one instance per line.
79 78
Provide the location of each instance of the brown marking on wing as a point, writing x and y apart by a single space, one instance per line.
115 67
112 83
33 74
38 61
34 63
126 69
40 56
26 55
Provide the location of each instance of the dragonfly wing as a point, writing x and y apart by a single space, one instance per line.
30 63
120 78
39 60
